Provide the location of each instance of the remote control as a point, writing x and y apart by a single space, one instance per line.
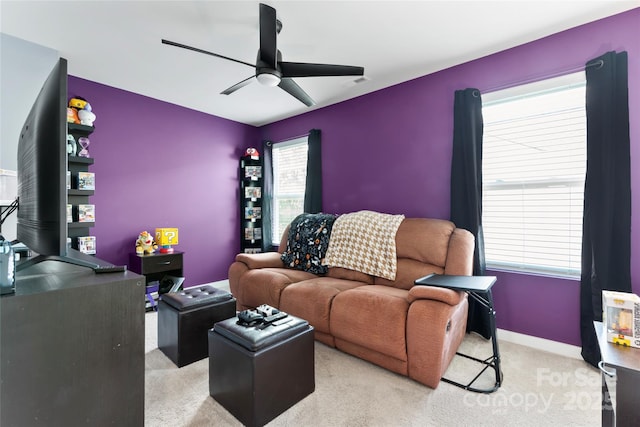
267 310
249 318
277 316
110 269
273 319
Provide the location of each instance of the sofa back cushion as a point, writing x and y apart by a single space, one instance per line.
408 271
421 247
424 239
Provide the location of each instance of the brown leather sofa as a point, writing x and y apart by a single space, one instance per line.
411 330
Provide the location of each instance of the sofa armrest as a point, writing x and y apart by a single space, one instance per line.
261 260
460 253
448 296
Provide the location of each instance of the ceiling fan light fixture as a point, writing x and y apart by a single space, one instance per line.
268 79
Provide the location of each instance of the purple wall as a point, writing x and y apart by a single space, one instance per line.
391 151
160 165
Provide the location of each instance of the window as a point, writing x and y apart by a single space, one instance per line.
534 165
289 183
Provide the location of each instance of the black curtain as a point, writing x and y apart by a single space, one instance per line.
313 190
606 228
466 188
267 196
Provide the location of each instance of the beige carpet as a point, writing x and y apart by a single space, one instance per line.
539 389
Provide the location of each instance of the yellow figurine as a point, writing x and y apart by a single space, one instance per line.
145 244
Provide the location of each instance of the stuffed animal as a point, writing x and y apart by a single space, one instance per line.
80 111
145 244
78 103
72 115
86 115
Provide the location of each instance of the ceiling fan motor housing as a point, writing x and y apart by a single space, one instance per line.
265 73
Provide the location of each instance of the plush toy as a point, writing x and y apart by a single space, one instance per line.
252 152
86 116
77 103
72 115
145 244
80 111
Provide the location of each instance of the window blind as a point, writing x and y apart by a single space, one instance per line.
534 164
289 176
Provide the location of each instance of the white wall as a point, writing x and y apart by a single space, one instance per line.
24 67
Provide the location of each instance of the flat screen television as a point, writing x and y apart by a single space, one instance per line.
42 168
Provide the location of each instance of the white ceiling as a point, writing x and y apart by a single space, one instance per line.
117 43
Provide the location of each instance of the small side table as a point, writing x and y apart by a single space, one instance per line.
478 288
257 374
154 267
620 368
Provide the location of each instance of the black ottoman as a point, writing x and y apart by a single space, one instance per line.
184 317
257 374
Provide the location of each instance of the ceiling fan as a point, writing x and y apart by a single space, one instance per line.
270 70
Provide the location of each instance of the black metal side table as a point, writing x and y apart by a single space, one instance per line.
478 288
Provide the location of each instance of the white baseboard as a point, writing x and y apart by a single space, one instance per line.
221 284
543 344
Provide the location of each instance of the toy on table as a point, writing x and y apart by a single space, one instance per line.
166 237
145 244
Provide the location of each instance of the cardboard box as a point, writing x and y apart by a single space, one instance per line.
621 317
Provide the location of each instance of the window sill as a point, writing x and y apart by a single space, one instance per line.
502 269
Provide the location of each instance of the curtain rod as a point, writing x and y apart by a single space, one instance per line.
599 63
269 143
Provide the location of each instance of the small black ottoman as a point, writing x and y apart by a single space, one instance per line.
184 317
257 374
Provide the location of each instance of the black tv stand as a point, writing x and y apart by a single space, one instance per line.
72 348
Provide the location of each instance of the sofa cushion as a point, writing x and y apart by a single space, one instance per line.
264 285
424 239
296 299
373 317
307 242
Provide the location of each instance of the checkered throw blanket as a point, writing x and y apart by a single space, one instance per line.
365 241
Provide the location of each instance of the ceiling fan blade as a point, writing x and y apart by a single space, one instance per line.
288 85
268 32
195 49
303 69
237 86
